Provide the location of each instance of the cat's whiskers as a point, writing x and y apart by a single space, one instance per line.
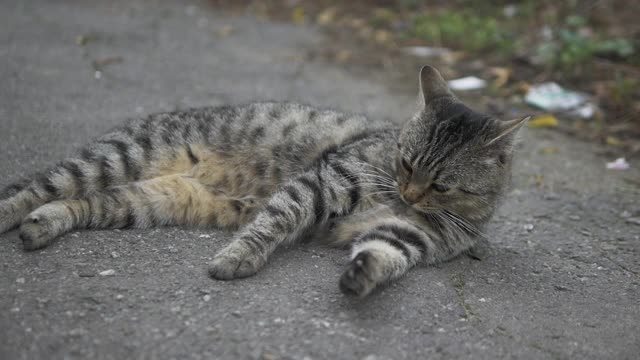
462 223
375 167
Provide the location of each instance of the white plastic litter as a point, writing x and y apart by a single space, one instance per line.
552 97
467 83
426 51
619 164
585 111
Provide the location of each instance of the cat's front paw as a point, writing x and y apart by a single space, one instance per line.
236 261
357 279
36 231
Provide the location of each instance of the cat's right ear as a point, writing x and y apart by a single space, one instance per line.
432 84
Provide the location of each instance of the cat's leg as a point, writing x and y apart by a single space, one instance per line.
384 252
107 162
329 189
389 247
142 149
166 200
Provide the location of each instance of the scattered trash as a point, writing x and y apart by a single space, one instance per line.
528 227
574 217
619 164
109 272
625 214
467 83
561 288
427 51
119 297
20 280
206 298
544 121
552 97
114 255
585 111
205 236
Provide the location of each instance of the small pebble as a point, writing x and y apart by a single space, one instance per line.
109 272
119 297
206 297
528 227
625 214
634 220
574 217
20 280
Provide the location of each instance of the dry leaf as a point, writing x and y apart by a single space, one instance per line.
326 16
382 36
502 75
549 150
224 31
343 56
614 141
298 16
544 121
99 64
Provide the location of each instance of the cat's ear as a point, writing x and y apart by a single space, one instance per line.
432 84
508 128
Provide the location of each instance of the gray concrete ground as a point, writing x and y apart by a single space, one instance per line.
561 281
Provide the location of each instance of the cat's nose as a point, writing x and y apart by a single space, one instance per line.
413 194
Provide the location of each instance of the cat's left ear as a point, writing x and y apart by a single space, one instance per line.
432 85
508 128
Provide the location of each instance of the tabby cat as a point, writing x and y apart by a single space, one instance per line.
280 172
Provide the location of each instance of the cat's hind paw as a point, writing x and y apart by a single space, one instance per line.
9 219
357 279
235 261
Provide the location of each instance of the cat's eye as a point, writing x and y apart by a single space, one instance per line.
406 166
440 188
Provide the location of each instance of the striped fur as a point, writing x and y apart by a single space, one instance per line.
279 172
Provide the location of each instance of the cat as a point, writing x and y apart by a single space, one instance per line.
421 193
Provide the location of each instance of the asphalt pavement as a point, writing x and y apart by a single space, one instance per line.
561 280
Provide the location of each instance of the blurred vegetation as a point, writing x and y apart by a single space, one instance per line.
592 46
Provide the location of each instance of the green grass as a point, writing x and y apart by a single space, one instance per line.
462 30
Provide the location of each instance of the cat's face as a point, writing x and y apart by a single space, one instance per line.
450 157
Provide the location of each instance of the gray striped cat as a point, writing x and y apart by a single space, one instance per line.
280 172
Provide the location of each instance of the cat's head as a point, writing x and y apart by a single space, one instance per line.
450 157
